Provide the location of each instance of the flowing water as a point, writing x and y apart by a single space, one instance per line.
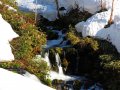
47 59
58 60
60 42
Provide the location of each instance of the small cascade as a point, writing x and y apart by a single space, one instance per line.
56 42
61 42
58 60
46 58
64 43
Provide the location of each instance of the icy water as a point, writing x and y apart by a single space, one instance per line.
60 42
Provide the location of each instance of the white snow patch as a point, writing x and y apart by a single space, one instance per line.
113 35
31 76
96 22
1 3
94 27
14 81
6 35
11 8
48 8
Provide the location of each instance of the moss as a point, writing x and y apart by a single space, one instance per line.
106 47
30 41
59 50
65 63
106 58
72 17
28 44
37 67
81 42
11 65
71 36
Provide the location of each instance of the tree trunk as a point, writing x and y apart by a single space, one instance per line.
110 20
57 4
36 12
101 5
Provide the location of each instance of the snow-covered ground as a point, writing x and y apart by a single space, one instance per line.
6 35
31 76
94 26
48 8
14 81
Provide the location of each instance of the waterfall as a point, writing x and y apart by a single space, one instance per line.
60 42
46 57
58 61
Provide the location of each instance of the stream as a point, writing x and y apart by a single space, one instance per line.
69 80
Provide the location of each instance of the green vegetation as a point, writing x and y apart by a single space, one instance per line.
98 58
72 17
36 66
75 39
30 40
72 36
27 45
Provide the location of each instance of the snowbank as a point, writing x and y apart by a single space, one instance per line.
13 81
94 26
48 8
6 35
31 76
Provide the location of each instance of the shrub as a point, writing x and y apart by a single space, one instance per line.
59 50
30 41
72 17
106 58
71 36
106 47
65 63
10 65
28 44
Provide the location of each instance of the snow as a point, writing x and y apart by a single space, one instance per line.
11 8
1 3
6 35
31 76
94 26
96 22
14 81
48 8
